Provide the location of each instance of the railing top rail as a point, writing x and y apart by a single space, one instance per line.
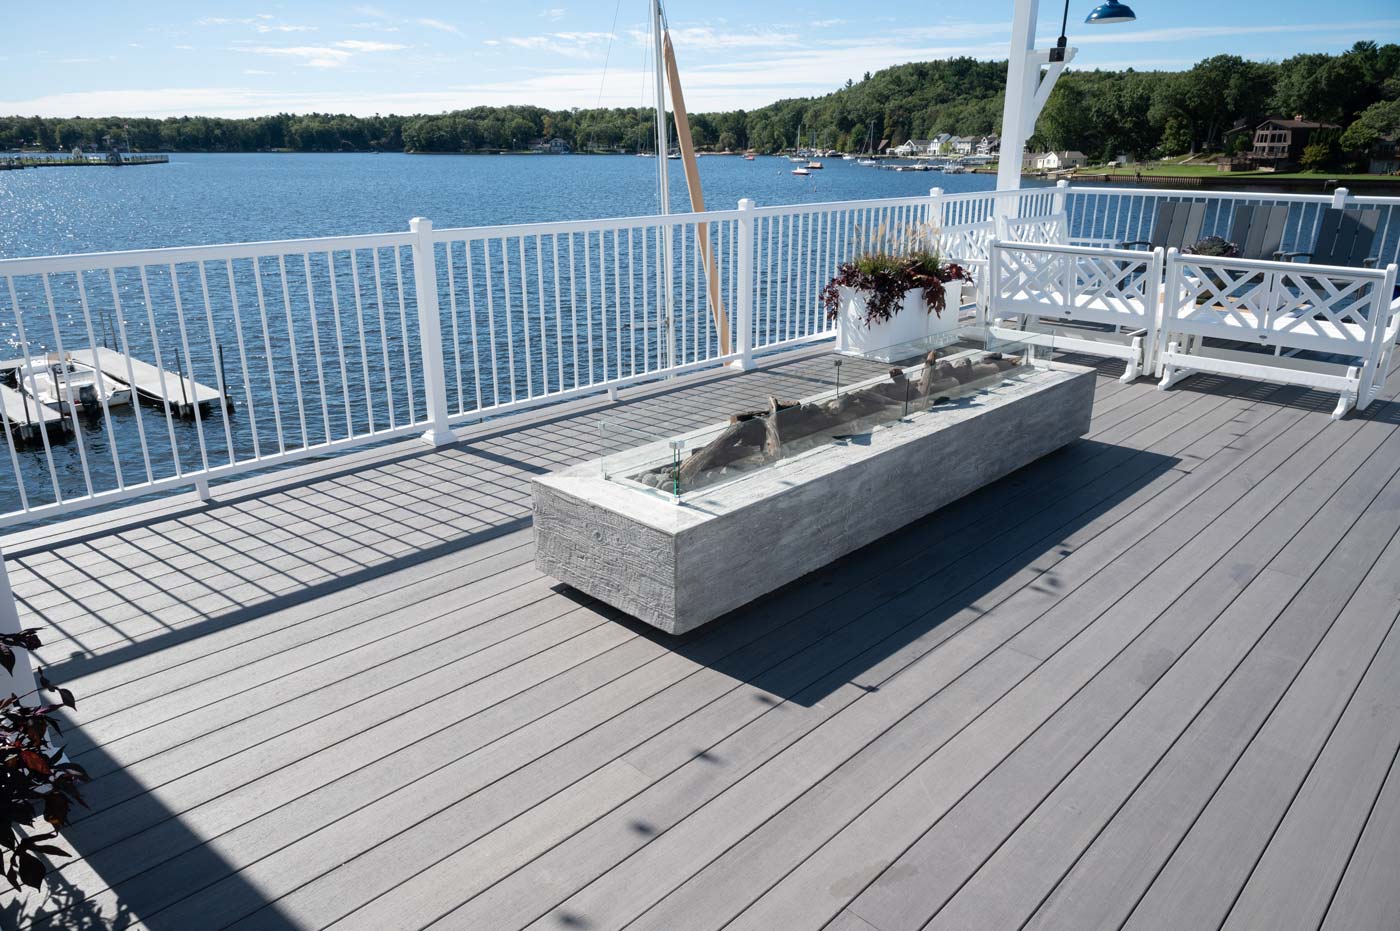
548 227
1269 265
474 233
1372 200
87 261
1192 193
1013 192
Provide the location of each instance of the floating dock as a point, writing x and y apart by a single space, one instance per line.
27 416
182 394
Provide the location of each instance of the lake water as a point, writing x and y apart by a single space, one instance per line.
242 198
278 373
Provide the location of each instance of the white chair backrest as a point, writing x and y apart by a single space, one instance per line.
1307 307
1049 230
967 242
1118 287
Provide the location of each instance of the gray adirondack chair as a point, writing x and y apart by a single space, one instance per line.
1345 237
1257 230
1177 224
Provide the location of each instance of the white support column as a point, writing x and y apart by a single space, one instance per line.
23 681
430 332
1020 87
743 311
1026 93
1339 198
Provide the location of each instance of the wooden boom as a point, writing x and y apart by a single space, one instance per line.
697 197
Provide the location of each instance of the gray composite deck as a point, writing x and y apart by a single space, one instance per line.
1152 681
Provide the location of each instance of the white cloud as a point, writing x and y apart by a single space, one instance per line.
439 25
313 56
256 71
359 45
323 56
708 38
259 23
554 14
828 23
563 44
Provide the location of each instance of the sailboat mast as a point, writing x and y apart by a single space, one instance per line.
663 151
663 148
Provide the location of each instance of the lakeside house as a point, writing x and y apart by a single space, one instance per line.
1279 143
1059 161
555 146
913 148
947 144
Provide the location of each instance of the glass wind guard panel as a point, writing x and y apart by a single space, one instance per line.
742 443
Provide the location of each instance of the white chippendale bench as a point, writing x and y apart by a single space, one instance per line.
1087 299
1327 327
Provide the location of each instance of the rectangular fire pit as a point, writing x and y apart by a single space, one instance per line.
684 529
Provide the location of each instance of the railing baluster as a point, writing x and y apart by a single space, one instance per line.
316 344
491 319
403 328
471 316
27 349
160 365
292 343
101 386
214 355
456 336
243 359
544 336
274 389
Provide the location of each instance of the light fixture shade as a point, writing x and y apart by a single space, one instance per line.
1110 12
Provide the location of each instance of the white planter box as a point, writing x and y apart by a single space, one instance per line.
913 322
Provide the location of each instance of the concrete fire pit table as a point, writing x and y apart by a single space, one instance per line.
677 563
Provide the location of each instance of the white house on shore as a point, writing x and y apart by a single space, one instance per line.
1058 161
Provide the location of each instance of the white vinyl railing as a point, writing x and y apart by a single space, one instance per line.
1109 216
248 356
252 355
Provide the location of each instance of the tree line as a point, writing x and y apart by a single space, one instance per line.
1101 113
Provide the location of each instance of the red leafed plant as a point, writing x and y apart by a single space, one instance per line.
887 273
37 782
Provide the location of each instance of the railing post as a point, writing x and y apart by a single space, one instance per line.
743 313
22 681
933 210
1339 197
430 332
1060 198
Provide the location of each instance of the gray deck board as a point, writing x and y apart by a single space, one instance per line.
342 694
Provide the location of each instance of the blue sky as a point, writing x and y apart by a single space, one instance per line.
158 58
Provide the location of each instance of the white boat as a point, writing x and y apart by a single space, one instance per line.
848 158
868 162
814 164
801 171
55 380
954 170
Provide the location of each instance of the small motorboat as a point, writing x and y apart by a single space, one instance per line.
801 171
748 157
814 165
54 381
954 170
868 162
